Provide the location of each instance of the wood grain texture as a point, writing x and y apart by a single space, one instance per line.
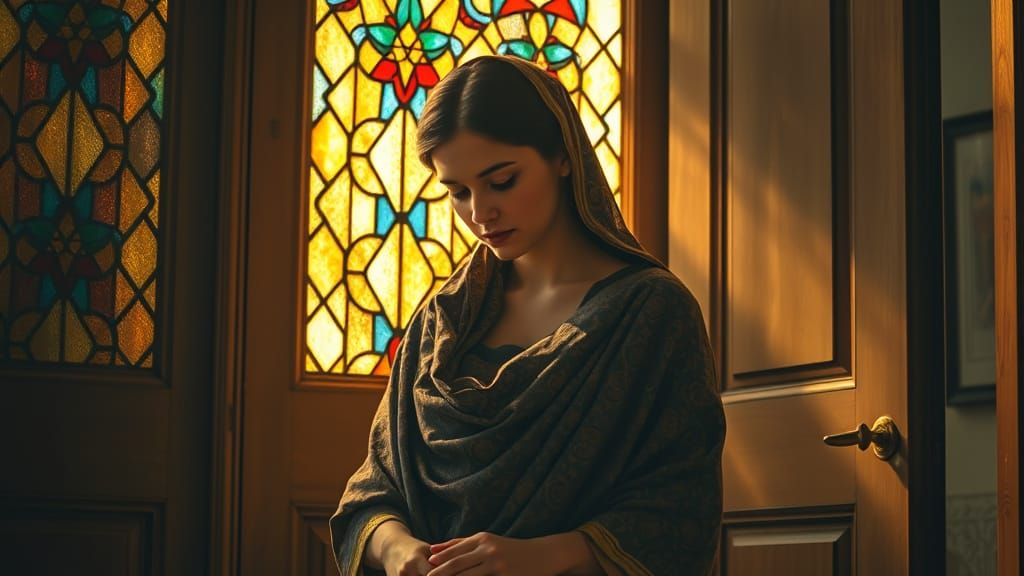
1006 141
690 220
879 216
779 185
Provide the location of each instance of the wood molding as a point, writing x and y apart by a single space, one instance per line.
132 532
311 552
841 364
645 123
1007 79
232 249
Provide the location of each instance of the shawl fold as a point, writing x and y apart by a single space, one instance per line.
612 425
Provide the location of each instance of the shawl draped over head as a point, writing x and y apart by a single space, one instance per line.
612 425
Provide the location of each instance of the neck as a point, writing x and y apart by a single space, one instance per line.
566 256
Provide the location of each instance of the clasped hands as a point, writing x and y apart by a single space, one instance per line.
482 554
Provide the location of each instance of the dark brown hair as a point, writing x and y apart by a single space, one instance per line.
493 99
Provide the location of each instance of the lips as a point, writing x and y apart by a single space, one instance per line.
498 238
493 235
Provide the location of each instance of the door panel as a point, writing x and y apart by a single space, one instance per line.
106 468
806 270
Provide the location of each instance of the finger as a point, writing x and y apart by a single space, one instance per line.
435 548
457 565
463 546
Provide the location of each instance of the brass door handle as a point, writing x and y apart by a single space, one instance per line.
884 435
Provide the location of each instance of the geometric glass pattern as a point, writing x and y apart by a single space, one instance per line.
381 234
81 116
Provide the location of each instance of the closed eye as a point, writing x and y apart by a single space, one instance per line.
505 184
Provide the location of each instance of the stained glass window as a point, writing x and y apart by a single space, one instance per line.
381 232
81 110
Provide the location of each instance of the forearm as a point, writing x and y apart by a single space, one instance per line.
380 539
570 554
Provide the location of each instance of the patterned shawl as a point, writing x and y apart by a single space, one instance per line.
612 425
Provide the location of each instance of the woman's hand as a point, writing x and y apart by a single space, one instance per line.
404 555
489 554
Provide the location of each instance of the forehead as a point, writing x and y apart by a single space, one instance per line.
467 153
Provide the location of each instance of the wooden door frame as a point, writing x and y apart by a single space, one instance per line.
1008 135
645 159
926 398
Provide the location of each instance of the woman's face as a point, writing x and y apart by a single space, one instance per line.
509 196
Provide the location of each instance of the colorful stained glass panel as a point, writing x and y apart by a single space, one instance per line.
382 235
81 116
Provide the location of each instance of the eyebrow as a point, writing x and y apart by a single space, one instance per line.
486 171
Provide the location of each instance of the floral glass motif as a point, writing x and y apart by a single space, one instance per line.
381 233
81 110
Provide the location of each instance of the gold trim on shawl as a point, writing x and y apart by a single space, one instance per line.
609 546
355 562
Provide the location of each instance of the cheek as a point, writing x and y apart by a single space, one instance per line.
463 211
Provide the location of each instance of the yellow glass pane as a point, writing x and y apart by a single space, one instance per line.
77 343
330 146
133 200
123 293
417 276
439 222
565 31
46 340
324 339
146 45
334 51
154 189
342 100
316 186
383 274
614 121
364 210
364 364
137 254
604 16
569 76
9 32
325 261
362 252
416 174
52 142
610 164
135 333
359 336
437 255
587 47
361 293
337 302
136 95
538 28
601 82
615 49
386 155
335 205
88 144
592 123
312 300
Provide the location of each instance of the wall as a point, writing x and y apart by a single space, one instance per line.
970 430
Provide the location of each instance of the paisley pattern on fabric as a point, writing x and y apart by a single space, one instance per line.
612 425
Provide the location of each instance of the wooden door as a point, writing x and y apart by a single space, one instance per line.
304 431
105 411
811 257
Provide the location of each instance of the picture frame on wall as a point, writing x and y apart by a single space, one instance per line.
970 258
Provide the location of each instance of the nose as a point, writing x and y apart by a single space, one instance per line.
483 209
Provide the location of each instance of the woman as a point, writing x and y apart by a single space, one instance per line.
554 408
